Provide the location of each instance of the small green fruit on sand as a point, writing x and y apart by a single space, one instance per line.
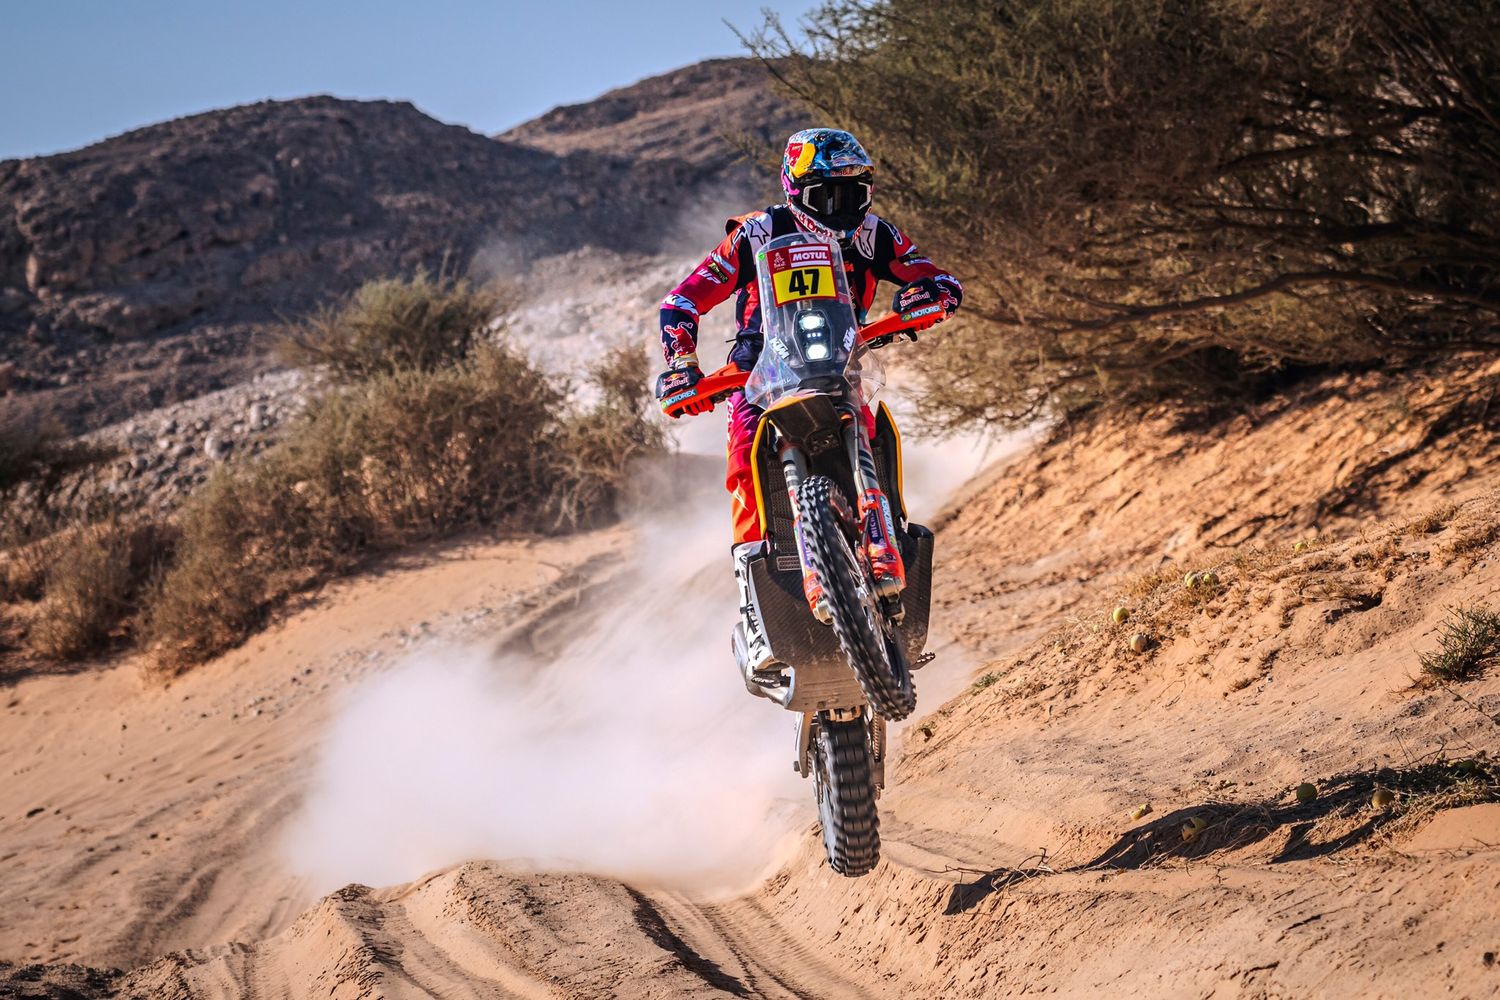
1382 798
1140 642
1144 809
1208 579
1307 791
1118 615
1300 547
1190 581
1193 827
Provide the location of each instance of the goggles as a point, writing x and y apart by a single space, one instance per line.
837 197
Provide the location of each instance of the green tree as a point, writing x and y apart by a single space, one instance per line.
1167 197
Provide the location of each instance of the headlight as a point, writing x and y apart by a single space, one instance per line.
812 330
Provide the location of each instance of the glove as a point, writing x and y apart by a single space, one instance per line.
924 292
677 383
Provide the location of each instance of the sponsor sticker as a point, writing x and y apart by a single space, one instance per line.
680 336
802 272
715 269
682 302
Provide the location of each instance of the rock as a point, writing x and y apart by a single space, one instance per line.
7 375
164 444
14 302
217 447
184 450
260 415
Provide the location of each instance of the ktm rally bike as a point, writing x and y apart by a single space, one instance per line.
819 633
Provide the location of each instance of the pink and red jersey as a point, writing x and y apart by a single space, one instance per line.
877 251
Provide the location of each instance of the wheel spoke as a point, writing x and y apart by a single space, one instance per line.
878 661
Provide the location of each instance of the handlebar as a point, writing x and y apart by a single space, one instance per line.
725 382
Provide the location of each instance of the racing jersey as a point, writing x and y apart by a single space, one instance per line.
877 251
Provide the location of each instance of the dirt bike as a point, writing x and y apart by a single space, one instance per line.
844 666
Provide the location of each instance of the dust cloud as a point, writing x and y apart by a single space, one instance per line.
629 750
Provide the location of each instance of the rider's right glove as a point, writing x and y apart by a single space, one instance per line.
677 383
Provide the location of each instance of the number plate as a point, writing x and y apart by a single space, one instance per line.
802 272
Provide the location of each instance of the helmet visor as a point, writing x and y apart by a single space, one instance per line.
840 202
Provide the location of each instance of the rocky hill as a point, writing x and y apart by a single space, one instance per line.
699 114
148 268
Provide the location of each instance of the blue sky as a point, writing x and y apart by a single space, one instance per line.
76 71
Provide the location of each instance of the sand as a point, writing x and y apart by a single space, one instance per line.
144 829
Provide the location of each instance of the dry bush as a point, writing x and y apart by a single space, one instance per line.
1471 543
1468 640
1172 199
420 323
1420 793
596 445
23 568
92 586
385 462
23 452
1469 783
1431 522
40 452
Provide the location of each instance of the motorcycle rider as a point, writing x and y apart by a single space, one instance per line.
829 182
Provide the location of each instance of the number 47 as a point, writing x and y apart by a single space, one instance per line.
804 281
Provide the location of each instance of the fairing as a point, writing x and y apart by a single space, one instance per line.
809 323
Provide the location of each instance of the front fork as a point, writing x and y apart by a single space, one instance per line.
877 741
878 524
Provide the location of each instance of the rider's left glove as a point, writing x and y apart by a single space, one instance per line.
677 383
925 292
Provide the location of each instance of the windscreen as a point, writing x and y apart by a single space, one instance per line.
808 320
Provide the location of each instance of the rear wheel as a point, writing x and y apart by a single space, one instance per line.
868 640
845 785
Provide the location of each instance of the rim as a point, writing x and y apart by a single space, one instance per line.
825 796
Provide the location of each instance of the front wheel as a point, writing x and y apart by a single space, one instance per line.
874 650
845 784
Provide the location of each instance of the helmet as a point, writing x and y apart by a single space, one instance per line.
829 180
